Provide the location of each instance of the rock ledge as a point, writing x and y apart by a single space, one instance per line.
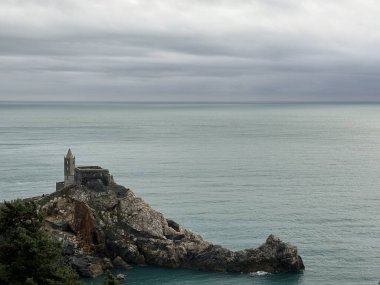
101 230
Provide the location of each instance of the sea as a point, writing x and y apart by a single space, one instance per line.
234 173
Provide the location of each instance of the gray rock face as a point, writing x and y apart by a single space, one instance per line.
116 225
89 266
118 262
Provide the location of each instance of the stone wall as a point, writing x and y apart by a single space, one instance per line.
59 185
85 174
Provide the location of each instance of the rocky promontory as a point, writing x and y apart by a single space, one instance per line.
111 228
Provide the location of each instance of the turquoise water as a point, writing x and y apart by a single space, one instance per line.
234 173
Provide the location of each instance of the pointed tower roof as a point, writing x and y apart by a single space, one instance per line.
69 154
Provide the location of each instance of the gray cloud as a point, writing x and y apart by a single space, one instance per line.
189 50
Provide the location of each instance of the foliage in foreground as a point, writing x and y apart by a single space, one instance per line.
27 254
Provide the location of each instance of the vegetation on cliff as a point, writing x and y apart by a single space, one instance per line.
100 230
27 254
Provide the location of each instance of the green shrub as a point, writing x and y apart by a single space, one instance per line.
27 254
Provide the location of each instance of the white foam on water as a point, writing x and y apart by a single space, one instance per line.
259 273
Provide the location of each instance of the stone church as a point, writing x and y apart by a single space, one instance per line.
93 177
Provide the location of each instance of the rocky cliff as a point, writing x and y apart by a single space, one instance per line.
105 229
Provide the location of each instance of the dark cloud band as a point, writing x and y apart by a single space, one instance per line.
189 50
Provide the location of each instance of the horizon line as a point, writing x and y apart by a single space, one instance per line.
186 102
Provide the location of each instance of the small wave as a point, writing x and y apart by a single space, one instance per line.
259 273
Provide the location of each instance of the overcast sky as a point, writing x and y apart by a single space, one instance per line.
191 50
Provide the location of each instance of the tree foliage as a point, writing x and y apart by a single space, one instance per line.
27 254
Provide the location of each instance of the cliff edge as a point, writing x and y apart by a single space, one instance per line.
102 229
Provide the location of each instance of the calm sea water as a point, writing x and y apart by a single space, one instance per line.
234 173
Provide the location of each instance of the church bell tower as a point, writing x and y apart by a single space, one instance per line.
69 166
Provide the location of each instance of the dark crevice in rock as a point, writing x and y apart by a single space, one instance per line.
173 225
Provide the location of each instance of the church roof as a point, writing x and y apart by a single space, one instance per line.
69 154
